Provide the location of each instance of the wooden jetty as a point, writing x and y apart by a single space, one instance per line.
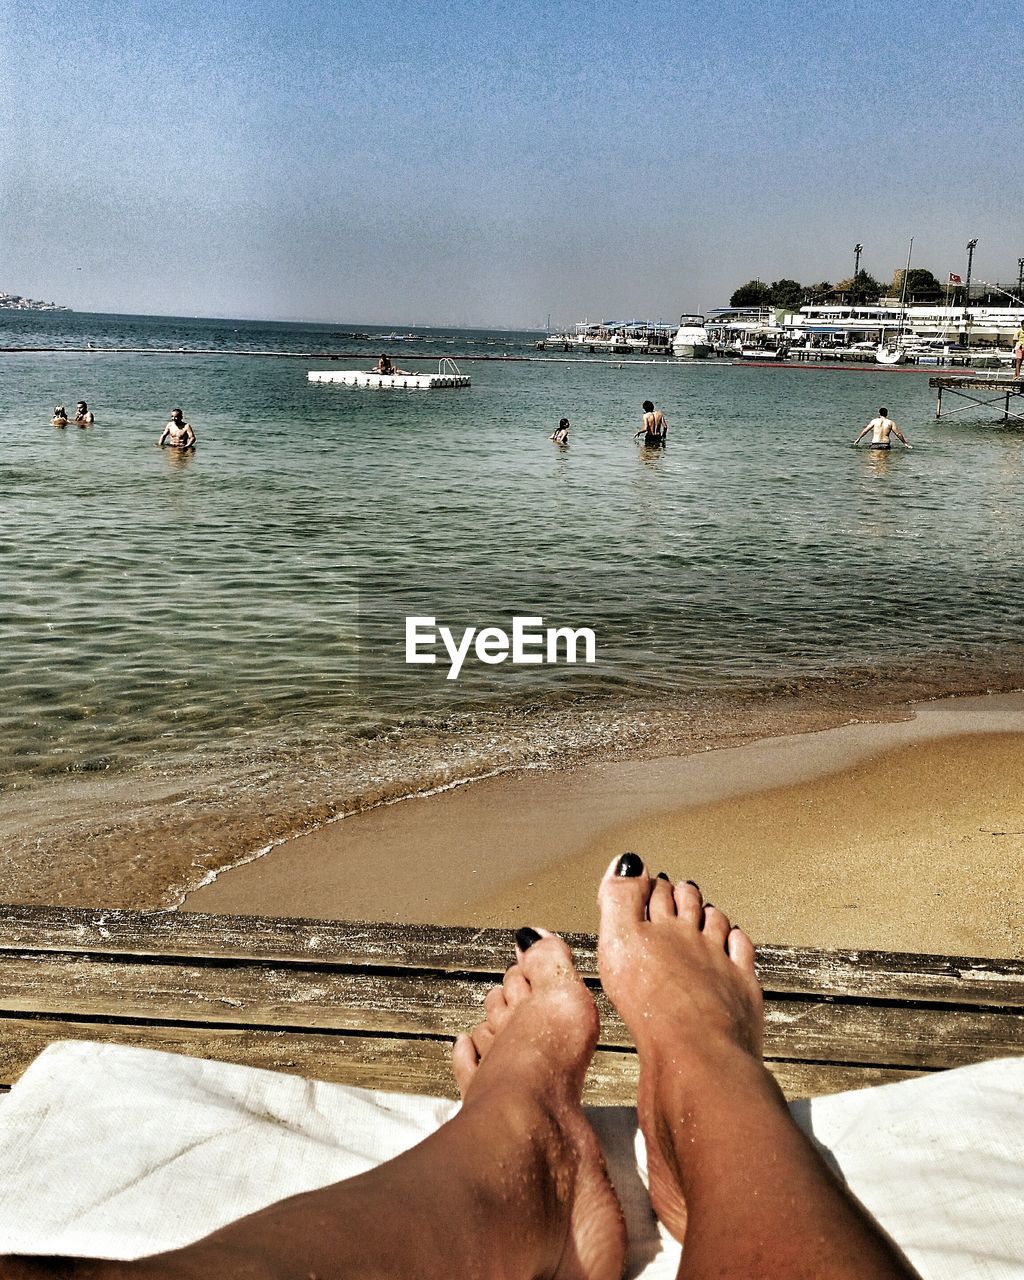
379 1005
979 390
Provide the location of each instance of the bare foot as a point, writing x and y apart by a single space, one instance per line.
682 978
531 1052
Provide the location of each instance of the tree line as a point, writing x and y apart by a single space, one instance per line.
860 290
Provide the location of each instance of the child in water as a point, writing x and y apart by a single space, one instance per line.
561 434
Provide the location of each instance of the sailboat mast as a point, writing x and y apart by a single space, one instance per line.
903 291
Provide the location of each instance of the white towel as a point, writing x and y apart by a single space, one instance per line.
116 1152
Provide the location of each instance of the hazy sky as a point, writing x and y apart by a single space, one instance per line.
478 163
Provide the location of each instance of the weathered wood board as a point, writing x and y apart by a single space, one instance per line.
379 1005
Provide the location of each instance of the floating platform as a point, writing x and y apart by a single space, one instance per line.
447 375
979 391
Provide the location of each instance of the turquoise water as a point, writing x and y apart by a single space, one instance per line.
167 608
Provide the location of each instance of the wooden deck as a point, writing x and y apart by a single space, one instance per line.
378 1005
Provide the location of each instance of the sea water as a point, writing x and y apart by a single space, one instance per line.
238 609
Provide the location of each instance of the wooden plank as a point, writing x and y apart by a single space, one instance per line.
372 1062
872 974
376 1062
892 975
391 1002
971 382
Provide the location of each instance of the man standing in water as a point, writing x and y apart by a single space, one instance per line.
83 415
655 425
881 429
178 433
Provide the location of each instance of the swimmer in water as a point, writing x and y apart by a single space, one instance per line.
561 433
178 433
881 429
83 415
60 416
655 425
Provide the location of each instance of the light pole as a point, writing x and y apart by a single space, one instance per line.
858 249
1020 279
971 246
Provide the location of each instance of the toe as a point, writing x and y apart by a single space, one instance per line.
465 1061
623 894
515 986
495 1006
547 963
689 904
741 950
483 1038
716 925
662 903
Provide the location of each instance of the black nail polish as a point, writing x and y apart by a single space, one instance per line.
662 875
708 904
526 937
630 864
695 884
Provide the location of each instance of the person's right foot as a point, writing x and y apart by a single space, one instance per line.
682 979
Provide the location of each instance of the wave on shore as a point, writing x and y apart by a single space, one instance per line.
145 838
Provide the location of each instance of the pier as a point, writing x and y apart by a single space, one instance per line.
979 390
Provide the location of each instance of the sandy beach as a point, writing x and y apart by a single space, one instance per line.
900 836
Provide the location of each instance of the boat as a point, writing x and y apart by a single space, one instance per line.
691 341
765 352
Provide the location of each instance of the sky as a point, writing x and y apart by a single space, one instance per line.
476 163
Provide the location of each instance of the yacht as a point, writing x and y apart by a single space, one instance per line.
691 340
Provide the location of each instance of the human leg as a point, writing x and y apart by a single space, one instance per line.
513 1186
731 1175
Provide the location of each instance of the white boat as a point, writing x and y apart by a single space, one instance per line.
691 340
891 353
764 352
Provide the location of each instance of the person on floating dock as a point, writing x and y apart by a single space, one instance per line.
178 433
655 425
1018 350
881 429
561 433
385 366
84 416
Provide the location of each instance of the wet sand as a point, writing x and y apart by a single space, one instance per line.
901 836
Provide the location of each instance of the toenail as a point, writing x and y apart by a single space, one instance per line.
630 864
708 904
695 884
526 937
662 875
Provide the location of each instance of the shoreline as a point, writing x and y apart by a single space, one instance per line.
768 825
147 838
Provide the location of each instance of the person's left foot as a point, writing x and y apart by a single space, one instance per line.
532 1051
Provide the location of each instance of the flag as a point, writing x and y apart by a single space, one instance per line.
954 279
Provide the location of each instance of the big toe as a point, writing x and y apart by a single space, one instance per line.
623 895
545 965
